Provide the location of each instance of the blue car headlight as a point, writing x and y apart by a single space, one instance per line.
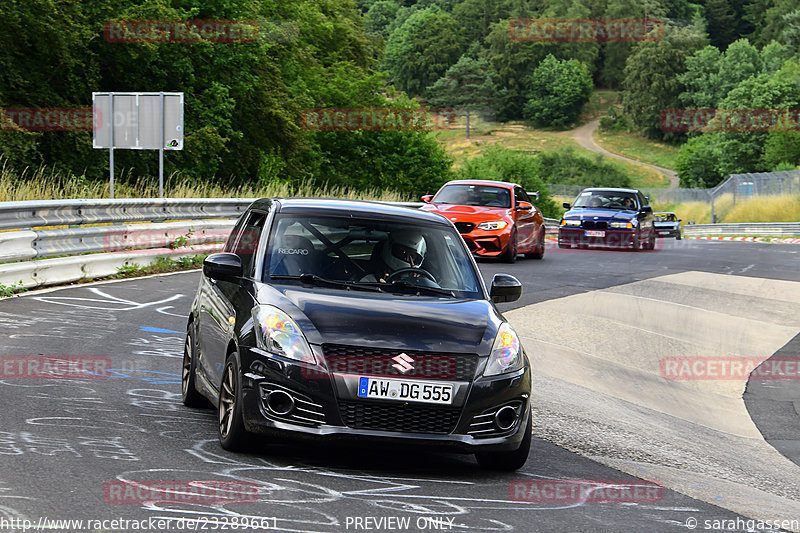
277 333
506 353
570 222
621 225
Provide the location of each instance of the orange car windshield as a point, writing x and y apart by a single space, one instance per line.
478 195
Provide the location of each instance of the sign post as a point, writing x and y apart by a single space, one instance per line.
138 121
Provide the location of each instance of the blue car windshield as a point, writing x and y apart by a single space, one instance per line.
342 251
607 200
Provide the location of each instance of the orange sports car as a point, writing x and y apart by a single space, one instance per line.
495 218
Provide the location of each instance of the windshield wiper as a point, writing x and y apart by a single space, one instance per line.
313 279
399 284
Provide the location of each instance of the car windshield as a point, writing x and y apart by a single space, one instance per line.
607 200
352 253
481 195
665 218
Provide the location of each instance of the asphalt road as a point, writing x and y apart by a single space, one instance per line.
65 444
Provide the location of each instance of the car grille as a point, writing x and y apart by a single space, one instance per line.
591 224
464 227
378 362
404 418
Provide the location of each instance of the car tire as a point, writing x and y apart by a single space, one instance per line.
539 250
189 394
651 243
678 236
230 425
508 461
510 255
637 242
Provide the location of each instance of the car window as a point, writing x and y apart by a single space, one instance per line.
478 195
248 240
521 196
665 218
353 250
607 200
234 235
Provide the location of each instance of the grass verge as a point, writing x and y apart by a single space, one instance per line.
638 147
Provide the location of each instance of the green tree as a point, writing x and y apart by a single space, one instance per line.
421 50
698 161
700 79
651 81
380 16
558 90
466 86
721 22
781 147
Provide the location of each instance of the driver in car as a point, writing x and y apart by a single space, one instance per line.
405 249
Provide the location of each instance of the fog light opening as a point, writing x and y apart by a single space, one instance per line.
505 418
280 403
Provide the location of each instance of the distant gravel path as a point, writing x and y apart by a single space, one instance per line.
583 135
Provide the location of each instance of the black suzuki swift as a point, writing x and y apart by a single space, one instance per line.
344 320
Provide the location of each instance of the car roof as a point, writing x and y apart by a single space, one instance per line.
664 213
505 184
610 189
354 208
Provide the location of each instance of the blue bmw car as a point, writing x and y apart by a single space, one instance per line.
611 218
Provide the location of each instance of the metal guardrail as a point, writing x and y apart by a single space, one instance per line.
43 213
743 228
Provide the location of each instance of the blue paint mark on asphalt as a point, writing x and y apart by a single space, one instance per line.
159 330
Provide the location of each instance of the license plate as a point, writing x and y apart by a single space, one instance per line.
405 391
594 233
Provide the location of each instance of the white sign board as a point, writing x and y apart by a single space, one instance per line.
138 120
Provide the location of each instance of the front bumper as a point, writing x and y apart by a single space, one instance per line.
668 232
612 238
326 411
484 243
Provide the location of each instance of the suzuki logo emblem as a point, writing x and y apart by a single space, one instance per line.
403 363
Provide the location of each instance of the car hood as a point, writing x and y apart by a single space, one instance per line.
469 212
601 214
390 321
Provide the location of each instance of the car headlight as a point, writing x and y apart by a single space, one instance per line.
494 225
626 225
506 353
277 333
566 222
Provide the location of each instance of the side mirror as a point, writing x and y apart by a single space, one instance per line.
534 195
223 267
505 288
524 206
680 220
427 198
566 205
647 209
